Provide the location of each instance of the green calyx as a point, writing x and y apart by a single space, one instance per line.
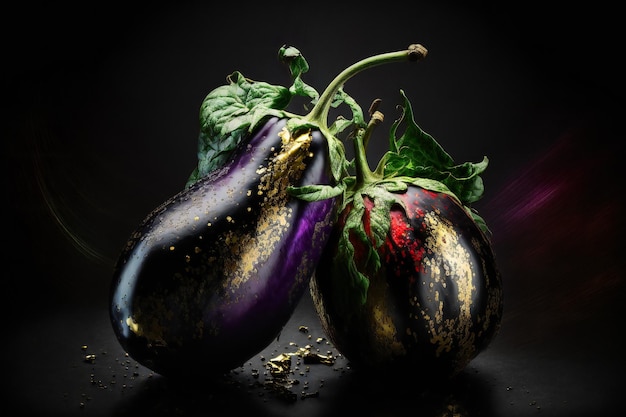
416 158
231 112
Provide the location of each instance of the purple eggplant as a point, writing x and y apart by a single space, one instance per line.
212 275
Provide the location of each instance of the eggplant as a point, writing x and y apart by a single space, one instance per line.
434 303
233 252
211 276
408 283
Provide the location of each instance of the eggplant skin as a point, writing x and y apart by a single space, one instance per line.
434 304
212 275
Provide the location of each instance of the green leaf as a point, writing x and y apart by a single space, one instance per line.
315 192
341 97
465 181
416 146
300 88
231 112
395 185
383 198
337 158
379 223
351 292
294 59
432 185
356 283
339 125
297 66
418 155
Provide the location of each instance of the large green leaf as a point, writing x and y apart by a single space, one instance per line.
417 154
229 113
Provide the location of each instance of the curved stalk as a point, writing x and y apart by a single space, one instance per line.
364 174
320 111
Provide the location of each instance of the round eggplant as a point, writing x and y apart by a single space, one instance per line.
434 303
408 281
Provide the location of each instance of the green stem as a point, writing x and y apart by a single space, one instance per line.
364 174
320 111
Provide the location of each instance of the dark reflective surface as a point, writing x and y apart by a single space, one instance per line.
50 375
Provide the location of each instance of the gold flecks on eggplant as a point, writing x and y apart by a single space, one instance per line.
382 336
236 253
450 263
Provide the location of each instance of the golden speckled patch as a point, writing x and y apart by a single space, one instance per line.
449 264
232 258
250 249
383 338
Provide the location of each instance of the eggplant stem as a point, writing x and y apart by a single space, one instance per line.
320 111
364 174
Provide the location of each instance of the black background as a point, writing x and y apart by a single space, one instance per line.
100 126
